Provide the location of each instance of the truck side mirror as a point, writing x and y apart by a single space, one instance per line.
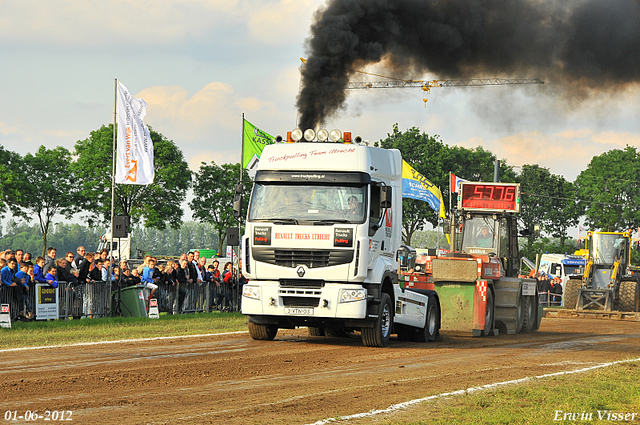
385 196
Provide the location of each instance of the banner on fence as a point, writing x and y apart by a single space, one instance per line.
46 302
5 317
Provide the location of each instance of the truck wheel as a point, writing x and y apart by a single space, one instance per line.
262 332
378 336
316 331
430 330
629 298
571 293
488 316
529 309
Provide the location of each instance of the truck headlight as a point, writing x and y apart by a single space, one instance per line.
349 295
251 292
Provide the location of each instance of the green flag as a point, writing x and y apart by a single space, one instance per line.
254 141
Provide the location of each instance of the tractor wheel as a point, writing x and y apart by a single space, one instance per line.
378 335
262 332
529 308
629 297
520 314
430 330
316 331
571 293
488 316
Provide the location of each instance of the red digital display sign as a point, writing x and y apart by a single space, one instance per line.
489 196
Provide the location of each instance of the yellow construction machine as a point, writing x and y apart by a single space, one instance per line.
608 282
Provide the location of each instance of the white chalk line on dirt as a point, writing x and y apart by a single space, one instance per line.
119 341
470 390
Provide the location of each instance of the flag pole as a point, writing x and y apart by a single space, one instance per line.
113 168
241 173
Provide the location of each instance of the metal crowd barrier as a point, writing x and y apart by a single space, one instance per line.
550 299
94 299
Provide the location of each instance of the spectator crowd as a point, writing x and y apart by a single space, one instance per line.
20 272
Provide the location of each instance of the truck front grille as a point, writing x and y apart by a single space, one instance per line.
300 302
301 283
311 258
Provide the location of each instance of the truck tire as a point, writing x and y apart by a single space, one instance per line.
378 336
488 316
571 293
529 308
262 332
430 330
629 297
316 331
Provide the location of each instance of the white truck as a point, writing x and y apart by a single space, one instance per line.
320 249
123 251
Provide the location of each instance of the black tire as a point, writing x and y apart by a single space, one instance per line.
571 293
262 332
520 314
629 297
316 331
378 336
488 316
430 330
529 308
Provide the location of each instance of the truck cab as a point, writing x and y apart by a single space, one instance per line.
322 233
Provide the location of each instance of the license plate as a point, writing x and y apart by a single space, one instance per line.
299 311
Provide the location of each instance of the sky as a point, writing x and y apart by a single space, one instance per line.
201 64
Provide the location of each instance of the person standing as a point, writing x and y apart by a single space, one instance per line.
49 259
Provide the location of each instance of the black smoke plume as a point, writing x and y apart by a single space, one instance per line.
581 46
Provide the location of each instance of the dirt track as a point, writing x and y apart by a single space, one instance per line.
296 379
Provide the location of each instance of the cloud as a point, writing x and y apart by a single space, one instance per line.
566 153
280 21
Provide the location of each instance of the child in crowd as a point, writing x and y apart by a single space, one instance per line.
23 275
148 279
38 271
52 277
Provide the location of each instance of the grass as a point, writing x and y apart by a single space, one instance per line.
61 332
613 389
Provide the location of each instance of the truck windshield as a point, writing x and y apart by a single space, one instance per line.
608 248
480 236
319 204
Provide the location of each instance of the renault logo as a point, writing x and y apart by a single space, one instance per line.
300 271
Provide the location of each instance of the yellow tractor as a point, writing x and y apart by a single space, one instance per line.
607 283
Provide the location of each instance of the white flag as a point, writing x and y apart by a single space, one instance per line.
134 164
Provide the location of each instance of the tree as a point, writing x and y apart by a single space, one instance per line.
10 165
426 155
435 160
609 190
158 204
214 190
47 188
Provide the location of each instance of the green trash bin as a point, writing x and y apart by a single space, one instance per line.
132 301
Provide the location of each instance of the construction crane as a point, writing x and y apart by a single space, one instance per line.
426 86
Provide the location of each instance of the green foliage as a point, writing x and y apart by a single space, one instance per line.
65 237
173 242
213 191
435 160
610 189
429 239
10 165
47 188
157 204
546 244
